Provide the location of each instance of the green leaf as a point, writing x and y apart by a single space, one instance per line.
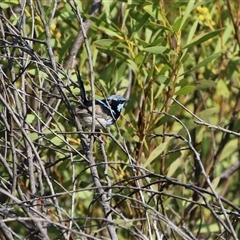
156 152
189 39
31 118
140 20
205 84
139 59
185 90
142 42
156 26
33 136
163 79
159 50
133 65
230 148
109 32
110 43
206 114
7 4
177 24
203 63
189 8
152 11
192 31
222 90
203 38
116 54
178 163
108 71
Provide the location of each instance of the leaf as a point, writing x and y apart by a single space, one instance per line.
156 152
31 118
142 42
7 4
203 63
33 136
185 90
216 181
108 71
206 114
178 163
110 43
204 38
230 148
159 50
152 11
156 26
192 31
163 79
222 90
189 8
177 24
116 54
189 39
205 84
55 139
141 21
132 64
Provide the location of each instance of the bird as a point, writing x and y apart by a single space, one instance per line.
107 110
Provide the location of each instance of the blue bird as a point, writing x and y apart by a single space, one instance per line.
107 111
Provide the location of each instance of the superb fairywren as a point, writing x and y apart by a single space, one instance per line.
107 111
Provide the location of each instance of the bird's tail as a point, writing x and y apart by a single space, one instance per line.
82 89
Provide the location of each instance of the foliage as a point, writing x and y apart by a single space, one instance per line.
169 168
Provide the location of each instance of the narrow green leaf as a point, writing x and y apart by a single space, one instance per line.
205 84
192 31
152 11
156 152
203 63
189 39
132 64
206 114
116 54
185 90
31 118
178 163
156 26
203 38
159 50
110 32
141 22
110 43
186 15
177 24
230 148
106 5
108 71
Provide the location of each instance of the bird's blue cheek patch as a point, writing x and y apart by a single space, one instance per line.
120 106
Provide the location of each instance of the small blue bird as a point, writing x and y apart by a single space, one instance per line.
107 111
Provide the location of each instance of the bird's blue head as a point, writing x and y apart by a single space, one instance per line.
113 104
116 102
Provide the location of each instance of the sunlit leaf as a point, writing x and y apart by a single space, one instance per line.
174 166
203 38
206 114
205 84
185 90
110 43
203 63
156 152
159 50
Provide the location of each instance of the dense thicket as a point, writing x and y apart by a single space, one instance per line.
169 168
